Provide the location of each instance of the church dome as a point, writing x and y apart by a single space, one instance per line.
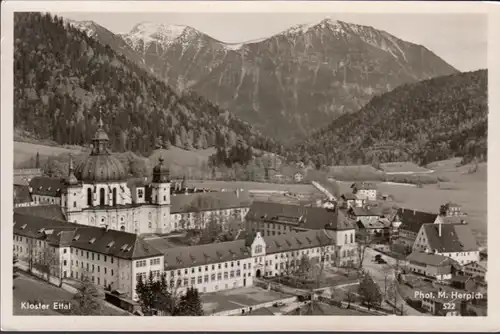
101 168
101 165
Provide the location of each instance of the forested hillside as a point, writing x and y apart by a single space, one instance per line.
62 78
423 122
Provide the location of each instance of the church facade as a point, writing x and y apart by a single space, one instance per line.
96 194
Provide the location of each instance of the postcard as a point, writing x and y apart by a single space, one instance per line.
226 160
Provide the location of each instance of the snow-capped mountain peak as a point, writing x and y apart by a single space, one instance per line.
88 27
145 33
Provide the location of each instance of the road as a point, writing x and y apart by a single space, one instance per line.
382 274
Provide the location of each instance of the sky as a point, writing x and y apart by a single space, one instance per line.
459 39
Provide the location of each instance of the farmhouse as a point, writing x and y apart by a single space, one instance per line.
455 241
432 265
364 191
410 223
476 269
350 200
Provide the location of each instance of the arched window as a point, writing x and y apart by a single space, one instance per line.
102 198
352 236
122 228
345 237
114 196
89 197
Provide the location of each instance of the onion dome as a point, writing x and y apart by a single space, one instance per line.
101 166
161 173
71 180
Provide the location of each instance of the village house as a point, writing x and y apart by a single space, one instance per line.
274 219
410 221
453 240
350 200
298 177
462 282
431 265
364 191
476 269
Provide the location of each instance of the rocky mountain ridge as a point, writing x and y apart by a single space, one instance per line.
295 81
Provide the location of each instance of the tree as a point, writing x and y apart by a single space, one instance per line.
190 303
49 263
364 241
37 160
86 299
369 291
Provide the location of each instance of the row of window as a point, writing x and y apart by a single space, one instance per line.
143 263
91 255
219 266
91 268
195 280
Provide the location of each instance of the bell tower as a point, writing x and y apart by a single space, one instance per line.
160 196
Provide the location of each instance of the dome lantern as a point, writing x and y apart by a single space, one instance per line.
161 173
71 180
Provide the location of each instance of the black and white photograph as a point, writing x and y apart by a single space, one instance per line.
246 163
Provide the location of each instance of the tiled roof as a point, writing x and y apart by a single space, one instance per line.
200 255
412 220
107 242
300 216
371 212
219 200
454 237
295 241
363 186
182 257
22 194
374 224
45 211
47 186
428 259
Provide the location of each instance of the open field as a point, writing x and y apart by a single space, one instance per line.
403 168
467 189
247 185
23 152
178 156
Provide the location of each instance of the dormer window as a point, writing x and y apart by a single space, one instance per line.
41 230
76 237
92 241
24 226
110 244
124 247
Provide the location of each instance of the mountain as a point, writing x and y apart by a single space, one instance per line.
62 78
427 121
294 81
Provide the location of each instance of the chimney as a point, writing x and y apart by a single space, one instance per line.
238 193
439 228
414 212
106 228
